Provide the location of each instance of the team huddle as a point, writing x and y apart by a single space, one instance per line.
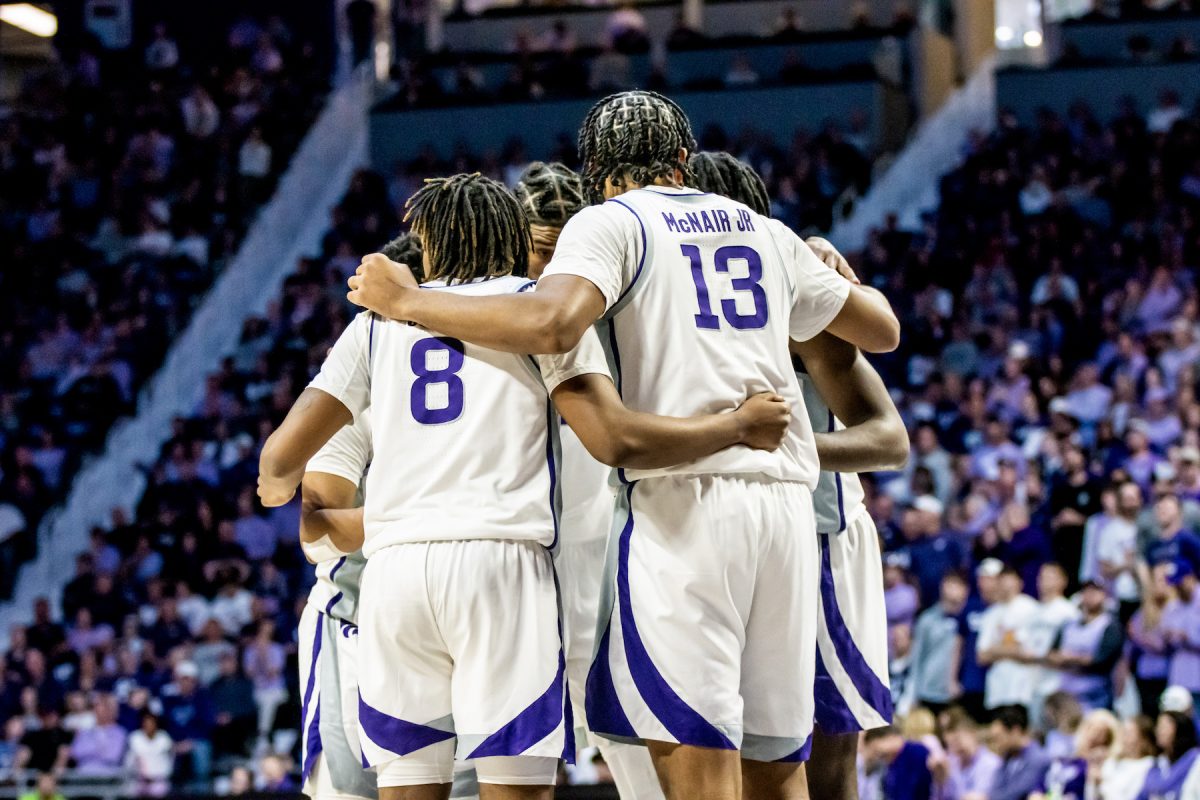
490 595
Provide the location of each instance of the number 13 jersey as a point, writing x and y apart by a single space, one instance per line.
465 439
702 295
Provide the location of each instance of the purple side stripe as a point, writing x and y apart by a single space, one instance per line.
397 735
536 722
861 675
313 739
681 720
832 713
600 702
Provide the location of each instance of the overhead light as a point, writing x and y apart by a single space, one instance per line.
1004 34
1032 38
30 19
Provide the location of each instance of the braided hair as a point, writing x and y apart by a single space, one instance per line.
550 193
635 135
471 227
721 173
405 249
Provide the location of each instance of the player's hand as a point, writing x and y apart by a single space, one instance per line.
765 419
273 493
379 284
831 258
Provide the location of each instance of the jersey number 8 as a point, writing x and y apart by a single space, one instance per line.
706 319
423 352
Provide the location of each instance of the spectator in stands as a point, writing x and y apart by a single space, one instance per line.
275 777
933 679
264 661
740 73
931 551
162 54
1115 547
1087 649
625 30
151 758
47 746
1173 544
46 788
100 750
1096 741
901 766
1001 648
1054 612
1122 774
234 705
969 771
190 720
10 746
1175 734
1024 764
1181 630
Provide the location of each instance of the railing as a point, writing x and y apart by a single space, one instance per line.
288 227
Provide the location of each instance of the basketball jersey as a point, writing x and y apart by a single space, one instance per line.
838 496
702 295
465 440
346 455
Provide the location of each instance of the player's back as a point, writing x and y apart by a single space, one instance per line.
704 319
465 441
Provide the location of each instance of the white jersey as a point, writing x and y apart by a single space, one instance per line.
465 440
702 295
838 496
346 455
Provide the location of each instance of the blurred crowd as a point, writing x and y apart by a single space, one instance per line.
1041 549
127 183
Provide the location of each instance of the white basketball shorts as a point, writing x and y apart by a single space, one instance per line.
461 639
852 691
711 613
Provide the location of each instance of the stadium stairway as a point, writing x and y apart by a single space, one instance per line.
287 228
909 186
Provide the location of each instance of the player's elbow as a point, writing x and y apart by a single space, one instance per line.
269 465
894 445
558 330
884 337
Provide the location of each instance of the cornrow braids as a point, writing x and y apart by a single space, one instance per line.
721 173
550 193
471 227
405 249
635 135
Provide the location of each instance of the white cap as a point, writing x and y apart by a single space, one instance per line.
929 504
1018 350
1061 405
186 669
990 567
1176 698
1189 455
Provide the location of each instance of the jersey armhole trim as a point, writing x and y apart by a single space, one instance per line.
627 295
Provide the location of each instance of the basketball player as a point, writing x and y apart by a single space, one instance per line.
458 623
331 535
852 692
551 194
709 656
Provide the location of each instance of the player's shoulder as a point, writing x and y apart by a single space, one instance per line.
504 284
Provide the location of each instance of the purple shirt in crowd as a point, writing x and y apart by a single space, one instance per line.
1181 627
99 750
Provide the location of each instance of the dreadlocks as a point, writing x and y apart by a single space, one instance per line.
550 193
635 135
471 227
405 249
723 174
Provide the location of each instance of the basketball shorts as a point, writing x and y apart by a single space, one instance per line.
460 641
710 615
852 691
331 759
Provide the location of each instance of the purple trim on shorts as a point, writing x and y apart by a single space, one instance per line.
800 754
681 720
539 719
397 735
863 678
832 714
601 705
312 742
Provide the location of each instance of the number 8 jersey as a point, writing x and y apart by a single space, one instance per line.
465 439
702 295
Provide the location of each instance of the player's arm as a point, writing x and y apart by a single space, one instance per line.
824 299
593 262
313 419
327 513
339 392
619 437
875 437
